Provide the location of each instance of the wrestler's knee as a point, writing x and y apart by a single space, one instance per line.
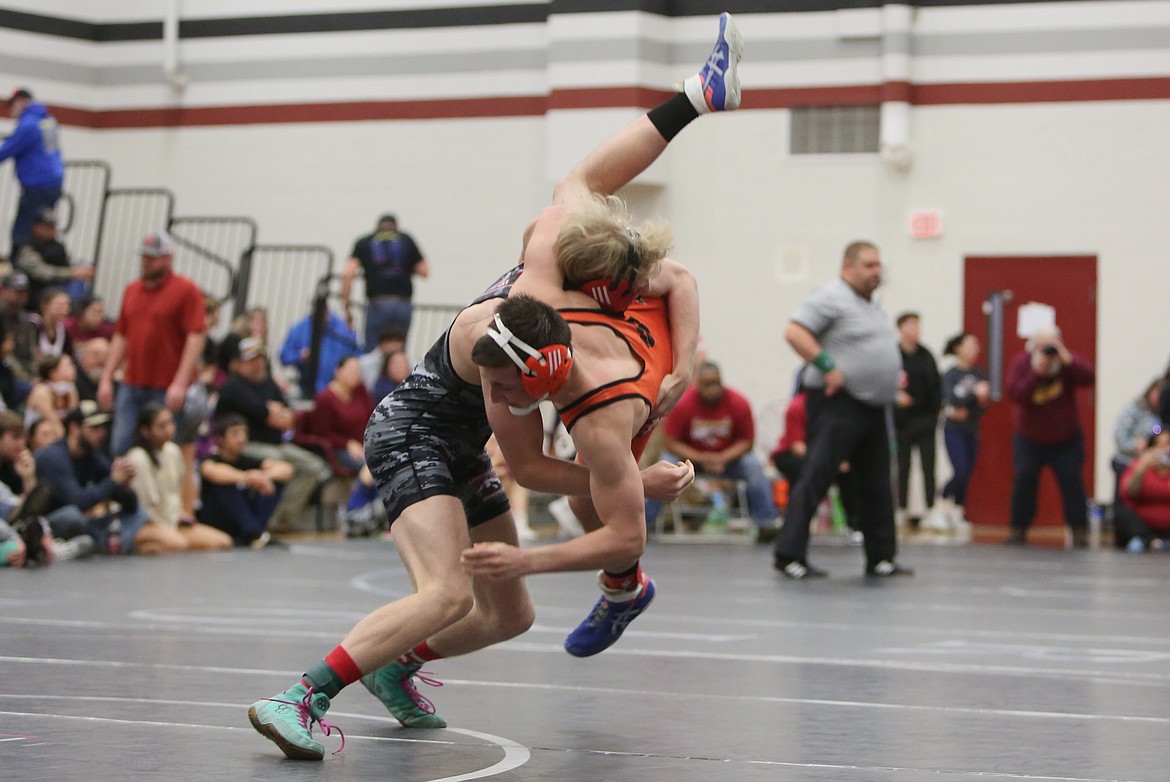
452 601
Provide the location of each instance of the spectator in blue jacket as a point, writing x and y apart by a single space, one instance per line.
339 341
34 146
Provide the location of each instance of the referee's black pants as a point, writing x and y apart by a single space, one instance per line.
841 428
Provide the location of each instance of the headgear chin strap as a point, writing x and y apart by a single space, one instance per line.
543 372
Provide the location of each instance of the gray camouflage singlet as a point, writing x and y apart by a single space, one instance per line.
426 438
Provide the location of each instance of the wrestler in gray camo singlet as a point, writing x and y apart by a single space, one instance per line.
426 438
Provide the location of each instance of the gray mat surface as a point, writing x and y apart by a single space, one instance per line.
990 664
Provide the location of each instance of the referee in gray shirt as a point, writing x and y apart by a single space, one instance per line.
851 384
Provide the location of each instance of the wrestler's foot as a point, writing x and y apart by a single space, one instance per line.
392 684
606 623
288 720
716 86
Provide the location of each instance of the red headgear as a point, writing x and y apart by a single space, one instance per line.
543 372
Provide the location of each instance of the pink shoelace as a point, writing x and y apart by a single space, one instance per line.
419 699
306 718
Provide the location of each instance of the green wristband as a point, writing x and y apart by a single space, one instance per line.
824 362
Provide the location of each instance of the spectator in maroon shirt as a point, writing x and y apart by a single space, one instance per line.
339 417
341 412
1042 383
89 322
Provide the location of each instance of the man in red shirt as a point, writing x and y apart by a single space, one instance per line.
712 426
160 332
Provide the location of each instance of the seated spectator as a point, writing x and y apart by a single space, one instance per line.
78 471
1145 488
41 434
91 358
240 492
337 423
1164 398
158 482
52 339
338 341
26 542
12 391
53 395
393 373
46 261
390 340
252 323
18 478
22 355
89 322
250 392
712 426
1134 424
788 455
12 548
212 371
340 414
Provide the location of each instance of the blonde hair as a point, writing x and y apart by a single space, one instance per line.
597 238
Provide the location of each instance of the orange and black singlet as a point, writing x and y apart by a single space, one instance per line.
645 329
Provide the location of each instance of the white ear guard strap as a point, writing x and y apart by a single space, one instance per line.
504 337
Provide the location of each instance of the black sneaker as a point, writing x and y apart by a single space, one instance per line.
887 568
797 570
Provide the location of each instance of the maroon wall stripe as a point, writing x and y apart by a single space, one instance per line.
615 97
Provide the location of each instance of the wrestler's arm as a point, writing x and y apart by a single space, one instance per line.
540 253
602 442
521 441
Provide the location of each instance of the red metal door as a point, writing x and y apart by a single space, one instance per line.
1068 283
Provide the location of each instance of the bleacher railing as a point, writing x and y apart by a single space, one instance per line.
105 226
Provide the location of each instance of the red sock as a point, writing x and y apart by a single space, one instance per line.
343 665
419 655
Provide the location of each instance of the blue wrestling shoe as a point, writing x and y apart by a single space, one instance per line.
288 720
606 624
716 86
393 685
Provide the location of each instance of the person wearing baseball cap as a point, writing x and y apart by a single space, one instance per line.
19 327
80 473
160 332
46 261
35 148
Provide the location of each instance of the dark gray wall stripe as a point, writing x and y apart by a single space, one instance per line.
432 17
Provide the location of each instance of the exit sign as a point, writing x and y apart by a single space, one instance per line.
926 224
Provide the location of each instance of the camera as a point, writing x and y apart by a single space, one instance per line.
1049 350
